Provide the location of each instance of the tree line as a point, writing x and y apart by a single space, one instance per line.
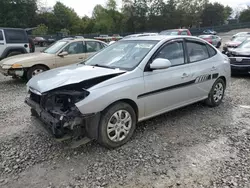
134 16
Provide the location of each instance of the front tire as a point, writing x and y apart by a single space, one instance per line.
216 94
117 125
33 71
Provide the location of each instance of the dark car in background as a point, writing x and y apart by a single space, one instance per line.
212 39
233 43
176 32
240 58
40 41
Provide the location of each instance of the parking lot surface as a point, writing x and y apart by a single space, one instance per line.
195 146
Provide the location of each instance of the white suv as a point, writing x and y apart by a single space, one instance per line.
13 42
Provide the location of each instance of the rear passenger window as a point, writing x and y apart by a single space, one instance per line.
197 51
173 52
15 36
93 46
102 45
211 51
1 35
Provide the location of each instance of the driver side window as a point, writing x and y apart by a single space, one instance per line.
74 48
173 52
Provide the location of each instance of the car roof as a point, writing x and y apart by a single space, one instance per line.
79 39
205 35
161 37
11 28
176 30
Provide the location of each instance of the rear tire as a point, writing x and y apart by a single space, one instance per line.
33 112
14 53
216 94
35 70
117 125
218 45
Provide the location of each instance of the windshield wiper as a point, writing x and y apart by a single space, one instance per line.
104 66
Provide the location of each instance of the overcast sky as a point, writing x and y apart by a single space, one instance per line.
85 7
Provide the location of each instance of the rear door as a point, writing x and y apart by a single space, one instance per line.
2 43
203 67
76 53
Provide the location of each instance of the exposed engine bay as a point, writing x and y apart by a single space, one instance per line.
58 110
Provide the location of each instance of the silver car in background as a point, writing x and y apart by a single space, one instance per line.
128 82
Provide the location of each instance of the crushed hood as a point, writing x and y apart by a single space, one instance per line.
241 51
24 58
71 74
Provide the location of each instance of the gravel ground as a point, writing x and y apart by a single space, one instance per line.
195 146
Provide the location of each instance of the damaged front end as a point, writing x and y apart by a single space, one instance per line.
57 110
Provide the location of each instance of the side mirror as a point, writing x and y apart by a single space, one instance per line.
62 54
160 63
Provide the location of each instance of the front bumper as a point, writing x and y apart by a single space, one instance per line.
4 71
240 65
84 125
48 120
240 69
12 72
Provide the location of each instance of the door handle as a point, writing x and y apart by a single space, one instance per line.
213 68
184 75
80 57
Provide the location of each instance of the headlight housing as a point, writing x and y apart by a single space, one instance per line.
16 66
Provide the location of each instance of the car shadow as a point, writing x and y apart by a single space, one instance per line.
13 81
245 76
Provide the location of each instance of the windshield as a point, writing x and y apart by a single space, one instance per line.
54 48
169 33
245 44
239 39
122 54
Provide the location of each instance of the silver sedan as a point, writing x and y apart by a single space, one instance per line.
128 82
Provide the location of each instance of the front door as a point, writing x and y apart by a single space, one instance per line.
168 88
76 53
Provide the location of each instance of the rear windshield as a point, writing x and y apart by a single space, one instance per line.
15 36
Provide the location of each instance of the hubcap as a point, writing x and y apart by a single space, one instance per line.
37 71
218 92
119 125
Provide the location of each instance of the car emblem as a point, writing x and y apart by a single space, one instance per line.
238 59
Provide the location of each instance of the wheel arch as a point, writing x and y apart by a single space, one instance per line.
40 64
92 124
13 49
128 101
224 79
